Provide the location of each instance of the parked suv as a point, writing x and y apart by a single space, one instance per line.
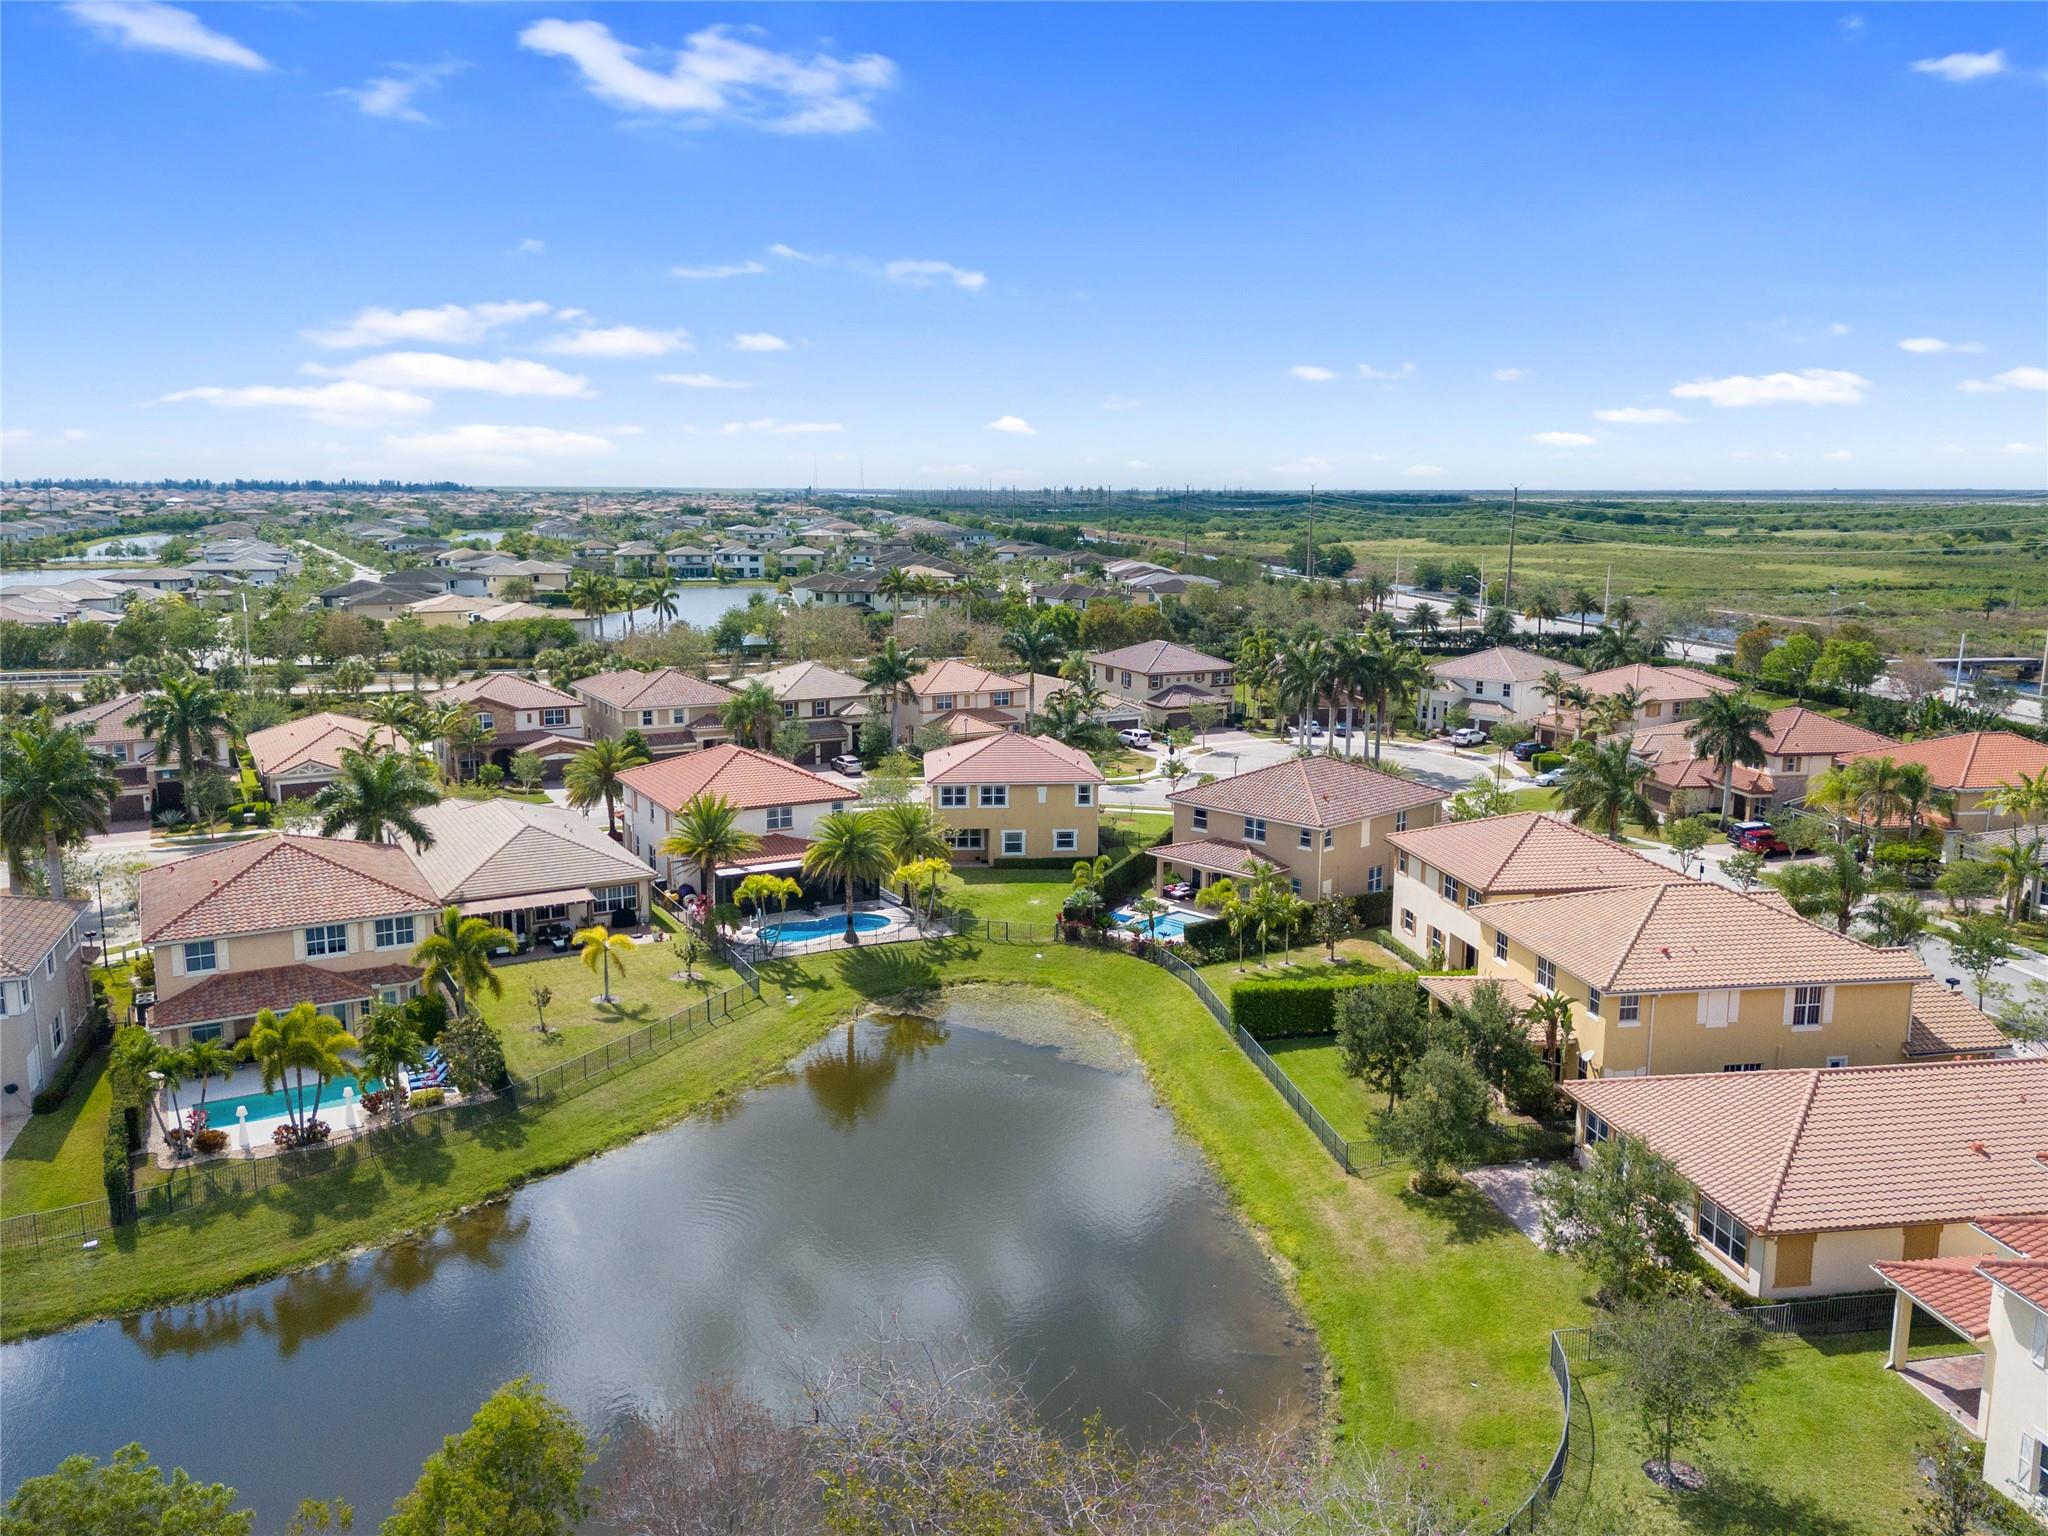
1469 736
1757 837
847 764
1524 750
1135 736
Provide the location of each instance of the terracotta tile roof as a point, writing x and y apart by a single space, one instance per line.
775 848
317 741
2025 1235
1011 758
972 724
1972 760
503 848
1179 695
1799 732
749 779
1503 664
1457 992
1212 853
1665 683
243 994
508 690
1679 772
958 677
803 681
1949 1288
1821 1150
108 722
271 883
1310 792
1945 1024
29 927
1158 656
1527 853
663 688
1689 935
2025 1278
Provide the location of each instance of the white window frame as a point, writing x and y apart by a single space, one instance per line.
326 932
554 716
385 933
487 720
952 797
1375 879
1255 829
1066 840
780 818
1306 839
1400 821
1722 1233
1014 843
1806 1006
212 956
1838 1061
1199 816
1407 921
1628 1009
1500 946
1084 794
1593 1001
993 797
1448 887
1546 974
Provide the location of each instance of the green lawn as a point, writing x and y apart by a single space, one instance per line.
645 992
1316 1067
56 1158
1354 957
1533 799
1013 895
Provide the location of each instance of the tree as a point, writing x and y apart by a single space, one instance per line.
1730 729
1037 644
475 1054
1683 1363
1438 1122
708 833
1980 945
911 832
1220 897
1624 1216
1602 787
207 794
598 773
752 714
1966 882
528 770
1745 869
1552 1013
1331 923
390 1046
1482 798
888 673
1205 715
54 791
298 1041
1829 890
456 956
601 947
1846 663
1687 835
183 719
129 1496
848 846
1789 667
352 675
790 740
516 1471
1895 920
1495 1040
2017 866
1381 1034
540 994
377 798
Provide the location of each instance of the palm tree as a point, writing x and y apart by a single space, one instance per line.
752 712
912 832
1149 907
300 1041
1895 921
1620 643
1261 899
204 1061
594 594
54 791
1541 606
183 718
457 956
1585 603
1612 713
598 773
1423 623
1036 642
601 947
662 602
889 672
1461 609
1553 1011
2024 798
398 713
352 675
391 1046
1220 896
848 846
1377 588
1301 676
1399 676
1833 793
896 584
1831 889
1255 650
1602 787
708 831
377 799
2019 866
1730 728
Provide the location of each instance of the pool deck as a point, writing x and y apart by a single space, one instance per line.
252 1138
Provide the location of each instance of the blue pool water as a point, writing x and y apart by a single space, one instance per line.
1168 925
820 927
220 1113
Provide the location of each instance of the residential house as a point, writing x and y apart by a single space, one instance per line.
1012 796
1662 694
1075 594
672 711
1693 977
688 563
1155 587
45 992
1322 821
522 715
1494 685
1444 872
1804 1179
388 597
456 610
1163 680
832 705
279 921
146 783
490 575
968 701
521 865
1972 766
302 757
777 802
637 558
739 561
840 589
1798 744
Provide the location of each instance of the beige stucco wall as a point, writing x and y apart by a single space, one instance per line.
2015 1395
285 946
34 1005
1341 869
1842 1260
1037 810
647 825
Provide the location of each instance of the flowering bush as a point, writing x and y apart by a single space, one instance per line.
310 1135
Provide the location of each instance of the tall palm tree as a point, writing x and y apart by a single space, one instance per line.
1553 1012
1895 920
456 956
600 946
1602 787
183 718
391 1046
1400 677
1377 588
897 585
1585 603
1829 890
2019 866
708 832
662 602
204 1061
398 713
847 846
594 593
1730 729
1461 609
1833 793
54 790
2024 798
1036 642
911 831
299 1041
598 773
1541 606
378 798
1301 677
889 672
1254 659
752 713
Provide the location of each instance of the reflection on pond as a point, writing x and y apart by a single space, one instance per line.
850 1077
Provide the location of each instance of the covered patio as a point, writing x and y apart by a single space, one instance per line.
1957 1296
1202 861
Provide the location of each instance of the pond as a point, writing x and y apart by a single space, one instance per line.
697 603
998 1173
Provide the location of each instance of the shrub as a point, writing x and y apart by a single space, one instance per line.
430 1012
1280 1009
428 1098
209 1142
114 1165
311 1135
476 1056
53 1094
1543 762
375 1101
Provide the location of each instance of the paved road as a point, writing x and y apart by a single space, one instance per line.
362 572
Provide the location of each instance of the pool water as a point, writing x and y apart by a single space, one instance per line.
821 927
220 1113
1168 925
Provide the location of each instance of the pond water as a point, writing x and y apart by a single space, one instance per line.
999 1173
696 603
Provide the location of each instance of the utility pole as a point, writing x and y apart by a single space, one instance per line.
1507 584
1607 599
1309 565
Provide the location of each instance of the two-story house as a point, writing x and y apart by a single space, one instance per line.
1661 694
280 921
45 992
970 701
1162 679
1689 976
1491 686
148 783
490 575
1012 796
672 711
1323 821
1798 744
777 802
303 756
739 561
1972 766
859 590
688 562
521 715
832 705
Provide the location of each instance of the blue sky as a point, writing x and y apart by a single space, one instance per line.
1360 246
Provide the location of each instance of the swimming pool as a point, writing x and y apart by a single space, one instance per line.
220 1113
1167 925
821 927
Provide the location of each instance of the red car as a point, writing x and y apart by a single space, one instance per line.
1757 837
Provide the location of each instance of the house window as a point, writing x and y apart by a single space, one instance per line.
1593 1001
1400 821
3 997
1000 700
1806 1003
1436 942
1401 862
1724 1233
1546 974
615 898
1294 885
952 797
647 717
1628 1009
1407 921
57 1032
1013 844
1127 679
1471 896
1065 842
1329 837
964 842
487 720
678 717
789 711
327 939
994 796
50 963
1084 794
819 709
2034 1457
2039 1348
1597 1130
943 701
1450 889
1743 1066
1838 1061
394 932
1255 829
200 958
1375 879
1201 819
554 717
206 1031
781 818
1500 946
1305 839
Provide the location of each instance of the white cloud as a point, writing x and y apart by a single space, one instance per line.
343 402
774 428
392 95
1510 375
791 253
501 444
1367 371
1837 328
926 274
1016 424
1120 403
1307 464
1137 463
1563 439
719 74
713 274
2020 448
702 381
1641 416
15 435
760 341
1311 373
2012 378
1838 455
1936 344
1809 386
1960 67
446 324
1850 23
532 247
156 28
619 341
76 434
1423 471
437 370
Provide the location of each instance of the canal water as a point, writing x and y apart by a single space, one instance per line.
997 1173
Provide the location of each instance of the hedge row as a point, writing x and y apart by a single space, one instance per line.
1307 1005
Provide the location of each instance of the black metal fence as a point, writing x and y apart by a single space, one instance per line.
642 1045
1574 1453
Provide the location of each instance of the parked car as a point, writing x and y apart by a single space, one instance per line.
1134 736
1524 750
1469 736
554 935
1315 730
1757 837
1180 890
1546 780
847 764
